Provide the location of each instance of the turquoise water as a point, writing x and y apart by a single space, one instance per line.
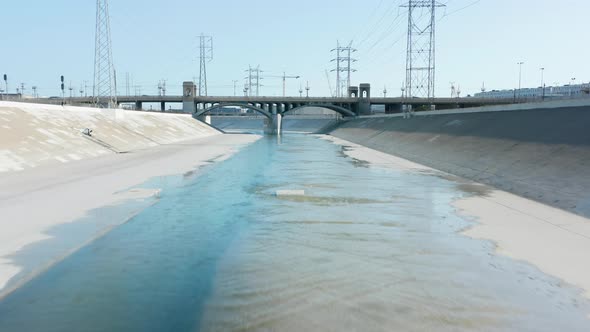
365 248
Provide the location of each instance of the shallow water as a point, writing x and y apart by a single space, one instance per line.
366 249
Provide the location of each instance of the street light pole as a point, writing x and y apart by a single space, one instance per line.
235 85
572 86
519 77
543 82
6 85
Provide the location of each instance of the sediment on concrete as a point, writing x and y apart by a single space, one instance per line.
541 154
32 135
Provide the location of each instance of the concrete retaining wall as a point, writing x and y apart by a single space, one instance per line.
33 134
543 154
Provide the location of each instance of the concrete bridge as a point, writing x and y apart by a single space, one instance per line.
358 102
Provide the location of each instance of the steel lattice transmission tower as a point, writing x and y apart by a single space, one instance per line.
344 62
420 64
105 81
253 80
205 55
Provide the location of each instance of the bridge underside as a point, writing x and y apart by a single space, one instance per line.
270 110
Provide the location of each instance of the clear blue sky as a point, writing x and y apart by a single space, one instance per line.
155 40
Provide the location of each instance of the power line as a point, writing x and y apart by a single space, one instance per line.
460 9
369 19
394 24
377 24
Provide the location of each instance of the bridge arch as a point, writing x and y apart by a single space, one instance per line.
338 109
221 105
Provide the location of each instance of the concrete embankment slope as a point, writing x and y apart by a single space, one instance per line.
32 135
542 153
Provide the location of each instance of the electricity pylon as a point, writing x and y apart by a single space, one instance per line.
205 55
420 64
105 81
343 65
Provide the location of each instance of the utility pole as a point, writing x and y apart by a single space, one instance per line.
572 86
344 62
235 85
127 87
542 83
300 90
205 56
420 57
307 90
63 93
105 86
384 91
34 87
22 90
519 76
71 89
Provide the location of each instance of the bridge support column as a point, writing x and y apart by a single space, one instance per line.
273 126
205 118
163 106
138 106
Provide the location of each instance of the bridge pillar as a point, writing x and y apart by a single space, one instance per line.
163 106
272 126
205 118
138 106
188 97
364 99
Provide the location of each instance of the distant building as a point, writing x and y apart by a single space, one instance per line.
548 92
12 96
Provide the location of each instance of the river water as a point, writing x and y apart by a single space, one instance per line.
365 249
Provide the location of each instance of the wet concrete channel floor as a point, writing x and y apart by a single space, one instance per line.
365 248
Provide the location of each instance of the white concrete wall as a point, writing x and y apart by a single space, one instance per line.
32 134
